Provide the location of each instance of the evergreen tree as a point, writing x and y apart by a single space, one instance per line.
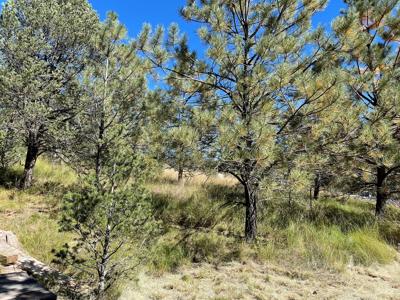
44 45
369 36
257 66
113 227
113 101
8 143
111 213
179 133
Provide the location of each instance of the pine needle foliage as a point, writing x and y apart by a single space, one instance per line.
258 65
44 46
368 37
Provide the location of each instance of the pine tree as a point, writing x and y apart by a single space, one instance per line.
369 36
180 134
181 141
110 214
257 66
113 101
9 153
44 45
112 228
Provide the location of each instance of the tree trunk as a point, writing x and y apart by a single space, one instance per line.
251 213
180 175
30 161
102 268
381 191
101 287
317 186
98 165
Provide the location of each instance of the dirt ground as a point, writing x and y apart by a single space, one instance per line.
256 281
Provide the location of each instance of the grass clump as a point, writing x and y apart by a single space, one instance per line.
331 248
167 256
369 247
54 172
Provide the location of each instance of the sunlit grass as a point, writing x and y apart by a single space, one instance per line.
332 235
33 214
37 233
203 222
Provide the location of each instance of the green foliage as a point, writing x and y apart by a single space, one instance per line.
330 247
109 212
44 46
113 103
331 235
9 154
252 81
111 229
279 106
167 256
367 42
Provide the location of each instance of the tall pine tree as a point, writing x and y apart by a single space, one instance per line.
111 214
258 64
369 37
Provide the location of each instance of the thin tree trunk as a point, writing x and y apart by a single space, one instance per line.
102 270
381 192
317 186
101 128
180 175
251 213
98 162
32 154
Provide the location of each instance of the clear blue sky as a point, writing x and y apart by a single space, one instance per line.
133 13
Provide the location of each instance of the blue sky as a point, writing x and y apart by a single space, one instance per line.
133 13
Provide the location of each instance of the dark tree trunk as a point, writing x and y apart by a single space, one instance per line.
98 164
99 150
251 213
32 154
381 191
180 175
317 186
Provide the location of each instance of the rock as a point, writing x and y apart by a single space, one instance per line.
25 264
8 256
9 238
8 248
21 286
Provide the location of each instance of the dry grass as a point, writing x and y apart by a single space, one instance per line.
197 178
201 255
268 281
167 184
33 214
